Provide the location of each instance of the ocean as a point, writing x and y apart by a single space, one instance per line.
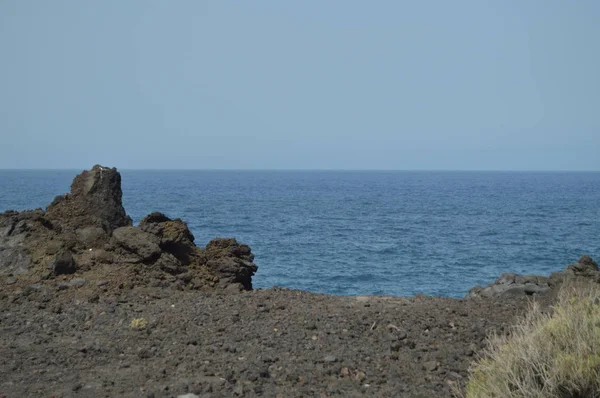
365 232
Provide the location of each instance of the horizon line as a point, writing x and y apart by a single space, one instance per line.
316 170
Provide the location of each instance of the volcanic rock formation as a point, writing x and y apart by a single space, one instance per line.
88 229
521 285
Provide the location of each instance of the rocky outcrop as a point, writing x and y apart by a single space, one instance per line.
527 285
232 261
512 285
95 201
88 227
585 267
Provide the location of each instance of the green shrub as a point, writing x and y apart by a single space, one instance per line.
555 354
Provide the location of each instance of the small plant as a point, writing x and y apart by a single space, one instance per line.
546 355
138 323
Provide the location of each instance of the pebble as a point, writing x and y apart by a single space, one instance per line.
430 366
77 282
454 376
360 376
330 358
398 332
190 395
239 390
35 287
211 380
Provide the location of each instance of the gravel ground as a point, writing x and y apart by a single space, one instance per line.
80 339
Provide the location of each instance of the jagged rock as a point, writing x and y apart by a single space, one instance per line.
231 261
221 247
141 244
521 285
89 228
95 201
63 263
512 285
174 235
584 267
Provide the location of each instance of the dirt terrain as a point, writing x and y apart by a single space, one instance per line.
106 341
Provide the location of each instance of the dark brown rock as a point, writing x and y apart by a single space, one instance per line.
92 237
63 263
88 229
222 247
231 261
140 244
95 201
175 236
584 267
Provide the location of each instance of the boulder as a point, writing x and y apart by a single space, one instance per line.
91 237
142 245
175 236
63 263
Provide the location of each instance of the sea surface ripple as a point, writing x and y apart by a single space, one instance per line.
365 232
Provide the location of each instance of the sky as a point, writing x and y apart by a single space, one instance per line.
407 85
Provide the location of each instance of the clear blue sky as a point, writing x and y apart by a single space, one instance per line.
469 85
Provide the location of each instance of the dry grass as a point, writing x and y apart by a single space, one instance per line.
546 355
138 324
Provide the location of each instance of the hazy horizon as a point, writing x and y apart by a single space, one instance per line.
395 85
75 169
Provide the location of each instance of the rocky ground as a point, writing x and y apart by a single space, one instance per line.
108 341
92 306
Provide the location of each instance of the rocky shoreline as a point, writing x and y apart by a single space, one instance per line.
93 306
87 231
510 284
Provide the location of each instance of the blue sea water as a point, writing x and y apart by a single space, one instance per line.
365 232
